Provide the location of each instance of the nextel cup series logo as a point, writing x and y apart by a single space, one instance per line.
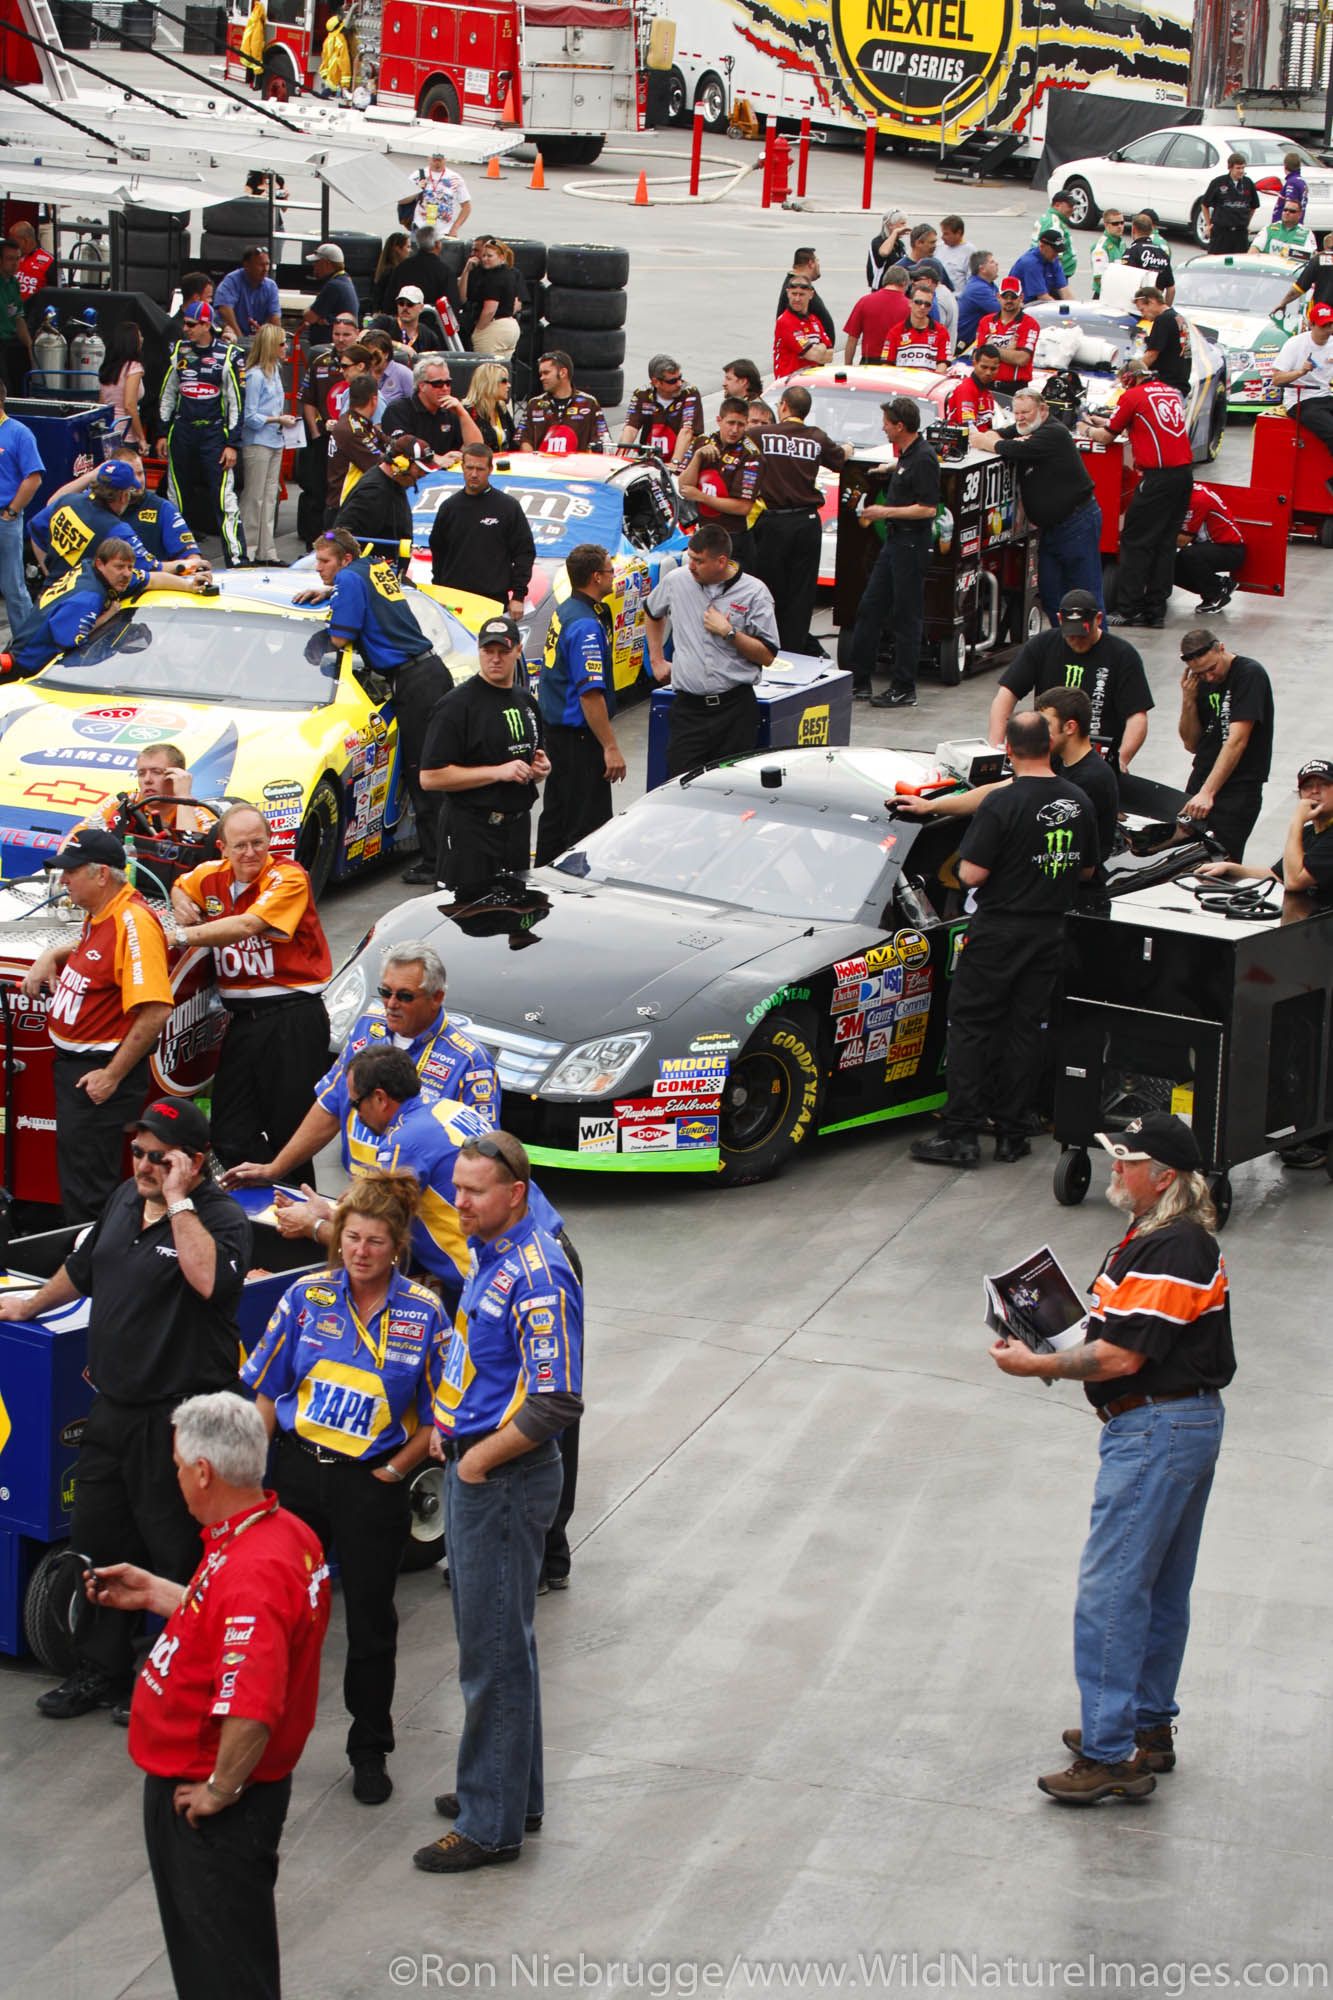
906 57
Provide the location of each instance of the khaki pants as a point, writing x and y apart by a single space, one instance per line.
259 502
500 338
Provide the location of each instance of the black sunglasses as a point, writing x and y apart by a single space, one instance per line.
142 1153
1202 654
402 993
489 1149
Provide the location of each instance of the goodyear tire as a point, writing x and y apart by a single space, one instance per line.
425 1542
49 1604
607 384
770 1105
589 348
317 847
596 311
597 267
529 258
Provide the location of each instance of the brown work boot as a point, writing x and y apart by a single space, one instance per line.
1084 1783
1155 1746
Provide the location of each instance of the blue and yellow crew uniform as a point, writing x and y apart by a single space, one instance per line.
518 1333
160 526
578 662
201 406
450 1064
64 615
70 532
425 1139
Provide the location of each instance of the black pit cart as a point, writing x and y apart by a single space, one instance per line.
981 588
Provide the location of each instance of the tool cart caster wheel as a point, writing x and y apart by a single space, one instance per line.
1073 1176
1219 1187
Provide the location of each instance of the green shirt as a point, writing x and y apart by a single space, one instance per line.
1299 241
11 305
1068 255
1109 251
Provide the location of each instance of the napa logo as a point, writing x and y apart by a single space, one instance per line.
914 58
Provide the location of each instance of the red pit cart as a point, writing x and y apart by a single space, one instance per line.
1290 458
1262 511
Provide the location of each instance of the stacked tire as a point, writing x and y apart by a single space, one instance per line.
584 304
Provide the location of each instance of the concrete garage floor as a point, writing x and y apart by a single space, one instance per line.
817 1646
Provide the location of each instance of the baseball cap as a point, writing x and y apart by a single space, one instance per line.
197 309
1321 315
328 251
499 632
88 845
1319 770
1078 610
413 294
1052 236
408 451
1159 1137
1011 285
180 1123
119 476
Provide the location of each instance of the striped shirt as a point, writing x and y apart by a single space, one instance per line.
1164 1294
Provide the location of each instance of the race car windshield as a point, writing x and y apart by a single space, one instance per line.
243 658
1231 291
728 849
854 416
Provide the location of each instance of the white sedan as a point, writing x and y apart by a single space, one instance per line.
1169 172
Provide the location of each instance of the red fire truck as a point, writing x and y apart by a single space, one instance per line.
568 71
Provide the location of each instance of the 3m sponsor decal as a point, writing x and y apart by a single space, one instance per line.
848 1027
597 1135
853 1055
649 1137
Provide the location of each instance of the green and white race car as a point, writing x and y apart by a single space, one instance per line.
1234 299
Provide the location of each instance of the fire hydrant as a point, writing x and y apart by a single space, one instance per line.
781 185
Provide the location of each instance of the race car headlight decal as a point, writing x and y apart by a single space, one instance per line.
595 1067
345 998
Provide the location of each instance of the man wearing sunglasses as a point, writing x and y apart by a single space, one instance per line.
433 413
668 415
1226 722
163 1268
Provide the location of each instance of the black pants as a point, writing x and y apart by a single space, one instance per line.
215 1884
787 560
1148 540
475 847
1228 239
367 1521
577 797
15 362
90 1138
417 686
273 1054
1203 565
894 600
1232 819
1002 992
743 548
1315 414
555 1557
128 1508
703 729
312 472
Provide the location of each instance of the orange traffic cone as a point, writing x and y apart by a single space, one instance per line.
538 174
510 114
641 193
493 168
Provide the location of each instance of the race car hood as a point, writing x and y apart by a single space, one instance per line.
1237 329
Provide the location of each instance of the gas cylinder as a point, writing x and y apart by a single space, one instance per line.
50 354
87 350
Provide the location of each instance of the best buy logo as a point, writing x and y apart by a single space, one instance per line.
5 1426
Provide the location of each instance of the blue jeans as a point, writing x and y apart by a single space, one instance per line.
1069 558
18 604
495 1533
1132 1617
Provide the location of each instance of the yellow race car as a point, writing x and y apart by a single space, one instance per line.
258 699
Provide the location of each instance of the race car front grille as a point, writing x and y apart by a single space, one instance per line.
522 1060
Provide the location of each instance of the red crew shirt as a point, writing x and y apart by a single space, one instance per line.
119 963
874 318
790 338
1154 416
32 271
1208 517
296 960
969 403
918 347
1021 332
245 1640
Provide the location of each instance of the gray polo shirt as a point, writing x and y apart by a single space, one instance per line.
702 661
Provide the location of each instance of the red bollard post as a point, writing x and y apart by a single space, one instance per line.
867 183
696 148
770 133
803 157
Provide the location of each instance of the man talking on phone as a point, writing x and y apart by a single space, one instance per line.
163 1268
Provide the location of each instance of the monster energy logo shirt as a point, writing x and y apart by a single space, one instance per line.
1246 695
1036 837
1110 674
478 723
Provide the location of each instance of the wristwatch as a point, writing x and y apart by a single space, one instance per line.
175 1207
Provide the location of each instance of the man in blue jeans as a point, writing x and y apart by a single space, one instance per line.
21 471
510 1381
1157 1353
1056 489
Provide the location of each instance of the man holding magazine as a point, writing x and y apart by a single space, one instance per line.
1158 1352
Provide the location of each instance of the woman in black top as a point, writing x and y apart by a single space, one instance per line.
396 247
489 285
488 399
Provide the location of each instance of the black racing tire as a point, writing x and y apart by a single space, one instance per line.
771 1099
596 267
607 384
1110 582
1217 427
529 258
1086 214
1199 232
589 347
439 101
1073 1176
425 1542
677 99
588 311
712 96
49 1604
321 830
952 659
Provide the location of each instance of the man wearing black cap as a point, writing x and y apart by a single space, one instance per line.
483 750
110 998
1157 1354
378 511
1226 722
480 539
1057 494
1040 271
1305 866
163 1267
1078 652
